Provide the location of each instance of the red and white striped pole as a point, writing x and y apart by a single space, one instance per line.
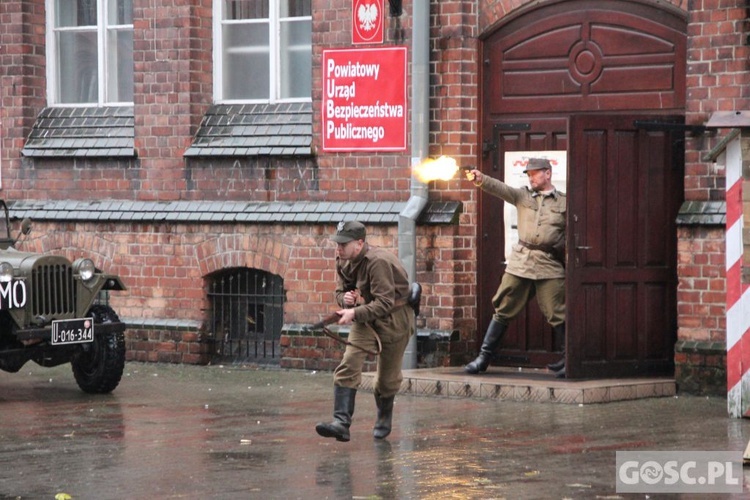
738 295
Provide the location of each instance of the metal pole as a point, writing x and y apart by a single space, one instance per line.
420 137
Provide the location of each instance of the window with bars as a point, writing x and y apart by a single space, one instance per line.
247 314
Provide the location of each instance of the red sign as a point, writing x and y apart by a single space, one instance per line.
364 99
367 21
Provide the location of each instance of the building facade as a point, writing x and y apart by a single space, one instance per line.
186 145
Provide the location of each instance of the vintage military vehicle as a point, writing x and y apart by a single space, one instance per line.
52 312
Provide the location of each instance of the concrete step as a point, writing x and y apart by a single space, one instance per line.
526 384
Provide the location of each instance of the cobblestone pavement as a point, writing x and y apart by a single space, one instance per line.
191 432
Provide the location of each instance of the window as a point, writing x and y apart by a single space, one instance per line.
262 50
90 51
247 314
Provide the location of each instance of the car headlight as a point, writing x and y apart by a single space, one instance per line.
85 268
6 272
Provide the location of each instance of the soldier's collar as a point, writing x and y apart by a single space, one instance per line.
552 192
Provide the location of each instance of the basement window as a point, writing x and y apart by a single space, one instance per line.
246 315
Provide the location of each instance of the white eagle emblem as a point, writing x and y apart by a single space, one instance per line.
367 16
340 226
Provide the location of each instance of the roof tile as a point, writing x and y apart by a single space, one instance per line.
228 211
89 131
253 128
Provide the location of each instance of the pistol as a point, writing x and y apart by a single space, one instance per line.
467 171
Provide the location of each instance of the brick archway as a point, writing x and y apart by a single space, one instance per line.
242 250
75 244
496 12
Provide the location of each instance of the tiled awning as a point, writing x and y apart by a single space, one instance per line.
713 213
254 130
300 212
102 132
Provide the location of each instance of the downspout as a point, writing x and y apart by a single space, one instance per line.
420 138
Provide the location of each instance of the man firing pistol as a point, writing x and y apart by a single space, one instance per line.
536 265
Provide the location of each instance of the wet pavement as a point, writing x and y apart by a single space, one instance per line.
173 431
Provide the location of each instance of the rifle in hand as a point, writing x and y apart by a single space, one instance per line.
322 326
413 299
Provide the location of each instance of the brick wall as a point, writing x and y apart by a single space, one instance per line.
701 289
717 80
700 352
168 346
173 88
253 179
492 11
165 266
22 89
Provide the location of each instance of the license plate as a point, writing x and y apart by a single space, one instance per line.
72 331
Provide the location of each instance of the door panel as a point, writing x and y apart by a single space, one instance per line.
625 189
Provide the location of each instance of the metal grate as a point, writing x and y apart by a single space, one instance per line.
247 314
52 291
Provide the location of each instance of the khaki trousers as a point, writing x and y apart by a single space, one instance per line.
514 293
394 332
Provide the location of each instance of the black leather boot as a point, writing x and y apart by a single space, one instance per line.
343 410
385 416
492 338
559 339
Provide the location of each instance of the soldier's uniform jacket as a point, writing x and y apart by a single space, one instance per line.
380 278
541 221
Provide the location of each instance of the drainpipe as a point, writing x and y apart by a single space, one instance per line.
420 138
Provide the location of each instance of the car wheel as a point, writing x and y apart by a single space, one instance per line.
98 367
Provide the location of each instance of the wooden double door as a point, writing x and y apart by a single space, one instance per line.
604 81
624 191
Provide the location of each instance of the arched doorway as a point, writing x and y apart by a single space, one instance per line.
604 81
